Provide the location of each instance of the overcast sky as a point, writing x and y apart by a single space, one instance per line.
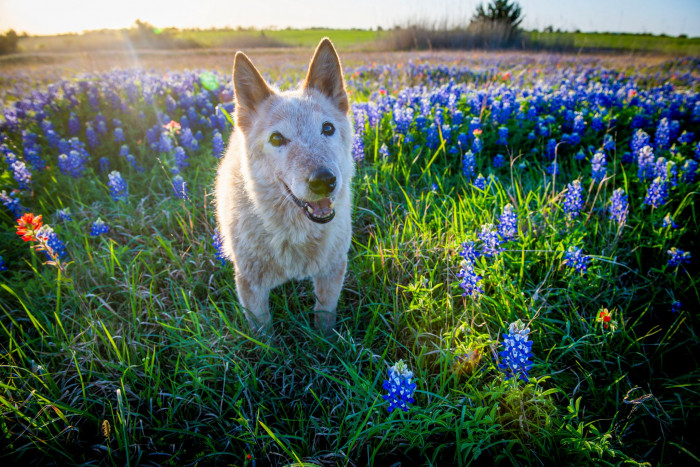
672 17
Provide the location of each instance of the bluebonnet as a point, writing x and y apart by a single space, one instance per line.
663 134
498 160
358 148
64 214
477 146
73 124
399 386
218 245
580 155
508 223
579 123
98 228
181 159
217 143
657 193
468 165
574 258
46 234
179 187
553 168
188 141
117 186
2 264
12 203
551 151
384 151
502 136
645 163
686 137
689 171
676 306
489 239
668 222
619 207
119 135
598 166
639 140
21 174
516 356
72 164
469 252
678 257
165 143
91 136
104 164
480 182
470 281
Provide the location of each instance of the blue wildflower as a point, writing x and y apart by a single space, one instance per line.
480 182
689 171
469 251
188 140
98 228
400 387
508 223
553 168
639 140
678 257
516 356
72 164
217 143
676 306
119 135
64 214
181 159
477 146
573 201
598 166
12 203
579 123
165 143
574 258
179 187
218 244
117 186
490 241
668 222
657 193
619 207
73 124
470 281
21 174
384 151
502 136
2 264
358 148
468 165
498 160
55 248
645 163
663 134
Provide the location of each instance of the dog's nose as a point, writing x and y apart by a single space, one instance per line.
322 181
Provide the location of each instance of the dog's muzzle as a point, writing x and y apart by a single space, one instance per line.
321 211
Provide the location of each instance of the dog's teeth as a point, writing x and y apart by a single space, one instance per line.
310 209
332 205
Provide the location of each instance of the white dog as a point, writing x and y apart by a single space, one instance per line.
283 200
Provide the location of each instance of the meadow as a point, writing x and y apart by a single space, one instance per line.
522 285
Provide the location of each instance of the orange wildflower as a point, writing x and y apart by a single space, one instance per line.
27 226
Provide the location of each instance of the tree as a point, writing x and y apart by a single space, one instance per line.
501 15
8 42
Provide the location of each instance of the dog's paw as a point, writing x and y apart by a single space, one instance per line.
325 322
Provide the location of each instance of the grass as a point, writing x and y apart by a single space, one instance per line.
139 352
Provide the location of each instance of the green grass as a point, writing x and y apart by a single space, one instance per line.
139 353
629 43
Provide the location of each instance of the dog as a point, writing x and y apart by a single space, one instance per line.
283 194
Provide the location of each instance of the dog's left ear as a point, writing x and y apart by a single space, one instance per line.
326 75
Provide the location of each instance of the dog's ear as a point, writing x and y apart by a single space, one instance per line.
250 89
326 75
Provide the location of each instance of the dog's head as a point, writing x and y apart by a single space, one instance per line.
298 141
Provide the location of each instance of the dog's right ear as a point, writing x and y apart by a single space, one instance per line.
250 89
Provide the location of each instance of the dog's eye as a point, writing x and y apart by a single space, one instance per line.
327 129
277 140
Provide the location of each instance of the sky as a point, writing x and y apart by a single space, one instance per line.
671 17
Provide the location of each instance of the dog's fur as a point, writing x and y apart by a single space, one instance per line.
265 233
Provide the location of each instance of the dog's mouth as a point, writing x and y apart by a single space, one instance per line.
320 211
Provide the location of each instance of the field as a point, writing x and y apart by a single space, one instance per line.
524 253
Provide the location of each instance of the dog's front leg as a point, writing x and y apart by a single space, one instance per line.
327 286
254 299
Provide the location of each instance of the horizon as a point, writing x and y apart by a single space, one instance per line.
672 18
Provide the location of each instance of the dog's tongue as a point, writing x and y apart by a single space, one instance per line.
322 207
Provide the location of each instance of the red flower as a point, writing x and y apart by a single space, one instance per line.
27 226
173 127
604 316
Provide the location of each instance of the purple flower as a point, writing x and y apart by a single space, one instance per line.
574 258
358 148
516 356
98 228
218 244
678 257
573 201
217 143
598 166
179 187
508 223
117 186
470 281
619 207
490 241
399 386
657 193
